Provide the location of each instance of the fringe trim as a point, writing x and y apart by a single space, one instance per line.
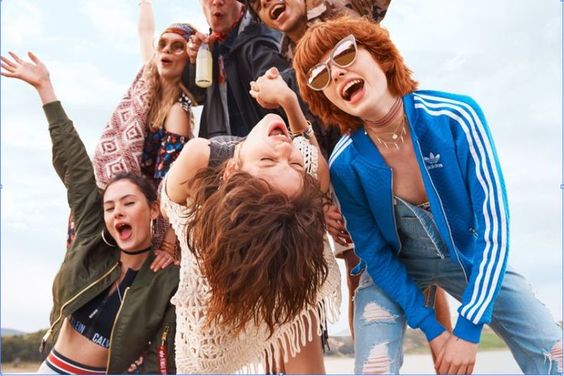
285 344
296 335
289 340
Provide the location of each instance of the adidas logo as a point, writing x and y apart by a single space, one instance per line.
432 161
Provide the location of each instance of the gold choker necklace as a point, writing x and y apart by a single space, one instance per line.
397 136
388 137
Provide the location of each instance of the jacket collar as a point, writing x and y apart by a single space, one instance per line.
367 149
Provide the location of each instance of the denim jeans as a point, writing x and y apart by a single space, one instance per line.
519 318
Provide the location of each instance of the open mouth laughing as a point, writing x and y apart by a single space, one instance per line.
351 88
278 129
277 10
124 230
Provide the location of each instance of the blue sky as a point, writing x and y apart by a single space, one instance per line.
505 54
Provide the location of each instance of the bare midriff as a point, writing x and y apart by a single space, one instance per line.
75 346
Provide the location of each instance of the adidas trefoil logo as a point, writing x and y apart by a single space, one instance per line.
432 161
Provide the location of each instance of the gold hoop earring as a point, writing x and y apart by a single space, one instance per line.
107 242
153 228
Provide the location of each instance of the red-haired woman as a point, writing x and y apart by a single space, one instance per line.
419 184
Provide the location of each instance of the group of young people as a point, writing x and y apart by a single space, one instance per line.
228 268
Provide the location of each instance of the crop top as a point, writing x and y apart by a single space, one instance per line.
95 319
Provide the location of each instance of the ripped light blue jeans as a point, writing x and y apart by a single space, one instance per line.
519 318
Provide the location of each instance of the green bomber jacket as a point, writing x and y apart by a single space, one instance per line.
146 321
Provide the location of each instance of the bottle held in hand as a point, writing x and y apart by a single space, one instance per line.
204 66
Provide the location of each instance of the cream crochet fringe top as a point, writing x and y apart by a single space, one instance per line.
203 349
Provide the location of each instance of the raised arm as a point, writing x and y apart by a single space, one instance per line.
70 159
146 29
194 156
271 91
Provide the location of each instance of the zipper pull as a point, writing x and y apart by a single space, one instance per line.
44 340
165 335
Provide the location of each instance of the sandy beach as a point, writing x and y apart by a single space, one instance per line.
488 362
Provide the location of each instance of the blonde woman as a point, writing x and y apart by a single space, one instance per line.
154 119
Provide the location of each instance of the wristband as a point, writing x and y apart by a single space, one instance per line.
307 132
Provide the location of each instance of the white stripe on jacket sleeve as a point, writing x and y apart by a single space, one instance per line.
493 209
339 148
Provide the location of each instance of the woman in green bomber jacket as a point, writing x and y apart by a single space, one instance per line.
111 312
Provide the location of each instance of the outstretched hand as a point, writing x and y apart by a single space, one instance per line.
34 73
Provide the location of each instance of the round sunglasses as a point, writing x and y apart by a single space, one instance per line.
177 47
343 55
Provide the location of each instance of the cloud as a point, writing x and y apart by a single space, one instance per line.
26 21
113 20
85 83
26 305
191 13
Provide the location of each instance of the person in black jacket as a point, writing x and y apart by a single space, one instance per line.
242 50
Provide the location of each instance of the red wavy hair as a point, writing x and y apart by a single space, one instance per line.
322 37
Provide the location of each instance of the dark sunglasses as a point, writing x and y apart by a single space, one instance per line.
177 47
343 55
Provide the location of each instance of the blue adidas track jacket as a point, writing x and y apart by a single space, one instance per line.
465 188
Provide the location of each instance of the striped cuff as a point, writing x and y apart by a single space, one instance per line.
467 330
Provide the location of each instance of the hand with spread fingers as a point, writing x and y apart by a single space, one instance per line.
34 73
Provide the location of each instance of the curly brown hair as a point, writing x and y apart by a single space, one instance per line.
261 251
322 37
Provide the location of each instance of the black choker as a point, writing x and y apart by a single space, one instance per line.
137 252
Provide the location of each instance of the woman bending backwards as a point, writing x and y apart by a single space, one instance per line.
110 310
256 283
419 184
